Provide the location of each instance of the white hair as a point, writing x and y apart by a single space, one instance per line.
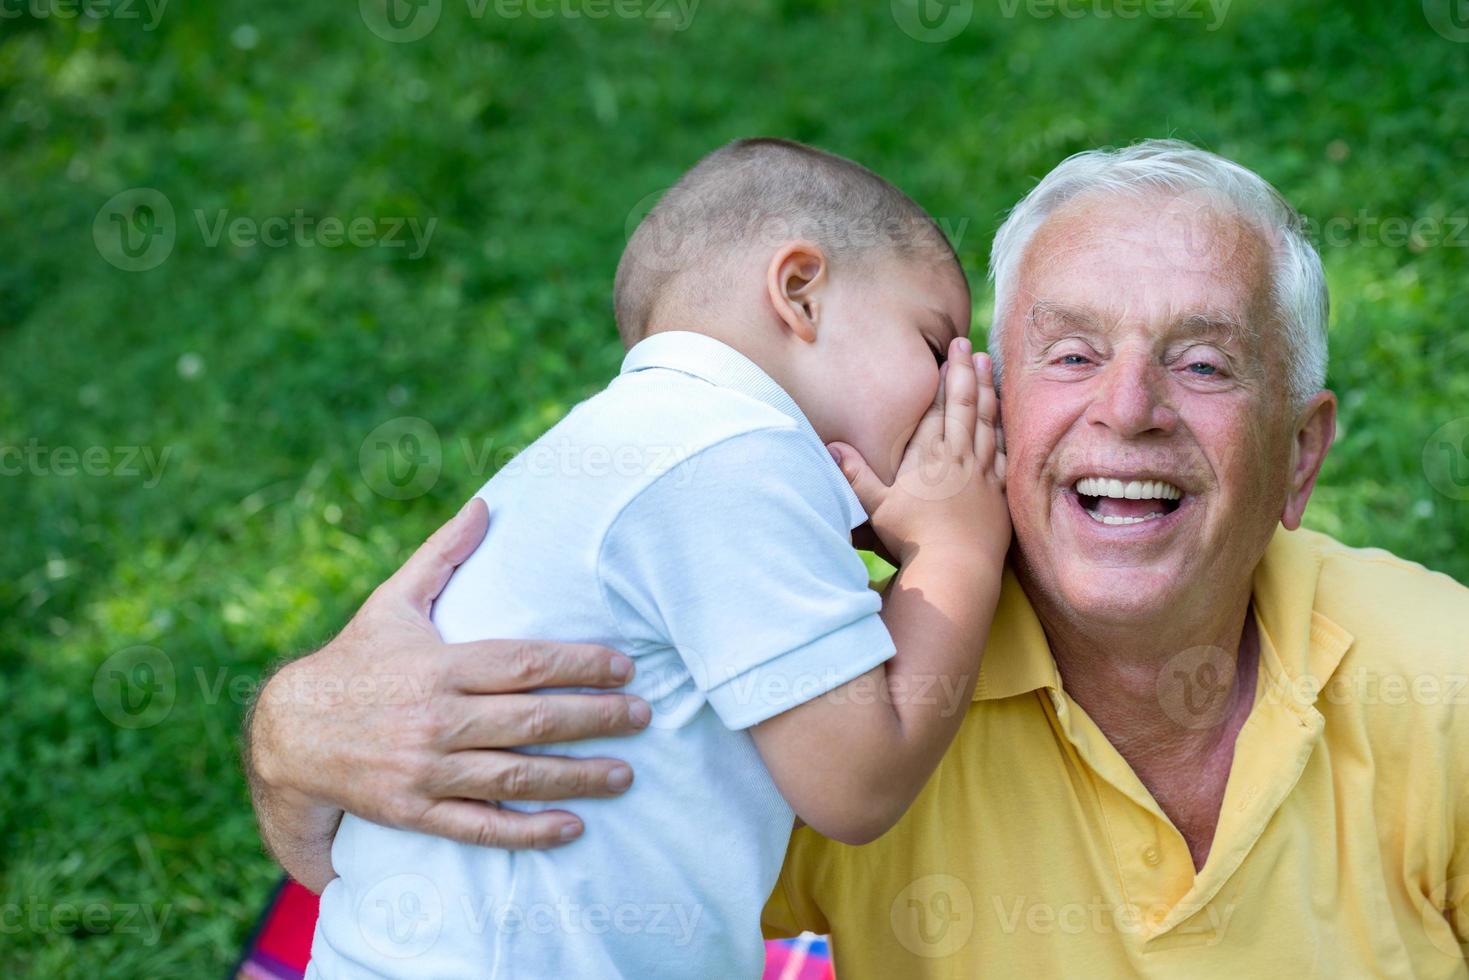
1175 167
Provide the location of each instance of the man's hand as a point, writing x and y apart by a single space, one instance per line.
392 724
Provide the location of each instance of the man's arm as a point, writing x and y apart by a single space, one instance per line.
392 724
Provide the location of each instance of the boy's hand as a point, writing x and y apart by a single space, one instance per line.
949 491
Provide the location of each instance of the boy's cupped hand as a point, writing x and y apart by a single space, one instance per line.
949 491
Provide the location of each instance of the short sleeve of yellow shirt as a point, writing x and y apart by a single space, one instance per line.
1342 848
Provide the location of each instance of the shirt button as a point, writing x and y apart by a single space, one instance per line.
1151 856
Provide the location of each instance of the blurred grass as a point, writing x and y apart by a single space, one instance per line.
260 370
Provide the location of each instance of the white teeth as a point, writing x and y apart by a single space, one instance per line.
1101 486
1100 519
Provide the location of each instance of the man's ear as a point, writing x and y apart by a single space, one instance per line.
1315 431
796 280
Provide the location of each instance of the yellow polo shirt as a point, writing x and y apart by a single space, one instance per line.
1034 850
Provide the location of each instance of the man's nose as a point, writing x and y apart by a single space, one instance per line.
1132 397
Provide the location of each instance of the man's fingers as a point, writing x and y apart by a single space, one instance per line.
535 719
485 825
424 575
987 404
492 775
870 490
960 393
506 666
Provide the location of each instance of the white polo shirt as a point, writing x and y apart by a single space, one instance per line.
689 516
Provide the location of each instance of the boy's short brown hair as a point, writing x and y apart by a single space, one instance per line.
756 190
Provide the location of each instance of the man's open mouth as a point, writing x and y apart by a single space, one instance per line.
1114 501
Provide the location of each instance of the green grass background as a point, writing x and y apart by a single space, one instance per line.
262 370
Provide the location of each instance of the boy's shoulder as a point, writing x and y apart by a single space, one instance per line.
718 440
649 420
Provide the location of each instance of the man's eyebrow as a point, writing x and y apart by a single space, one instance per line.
1067 315
1212 323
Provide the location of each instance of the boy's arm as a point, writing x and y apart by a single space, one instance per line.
851 761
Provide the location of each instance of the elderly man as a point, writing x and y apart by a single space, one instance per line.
1203 742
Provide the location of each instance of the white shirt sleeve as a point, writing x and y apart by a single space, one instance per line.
740 557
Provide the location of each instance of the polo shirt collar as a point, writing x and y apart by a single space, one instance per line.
1299 642
1307 646
1017 656
701 356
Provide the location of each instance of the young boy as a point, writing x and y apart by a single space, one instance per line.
777 299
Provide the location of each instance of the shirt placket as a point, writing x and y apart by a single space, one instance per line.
1162 895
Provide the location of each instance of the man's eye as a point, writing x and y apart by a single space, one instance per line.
1204 369
1072 359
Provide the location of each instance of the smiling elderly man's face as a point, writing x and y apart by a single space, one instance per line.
1152 441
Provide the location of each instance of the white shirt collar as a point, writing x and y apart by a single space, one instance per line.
701 356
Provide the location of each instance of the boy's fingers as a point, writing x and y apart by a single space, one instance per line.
423 576
931 426
870 490
960 391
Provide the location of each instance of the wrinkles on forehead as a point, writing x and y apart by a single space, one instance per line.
1104 267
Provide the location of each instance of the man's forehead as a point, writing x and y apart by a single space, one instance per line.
1122 258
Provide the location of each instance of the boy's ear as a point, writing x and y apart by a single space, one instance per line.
796 280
